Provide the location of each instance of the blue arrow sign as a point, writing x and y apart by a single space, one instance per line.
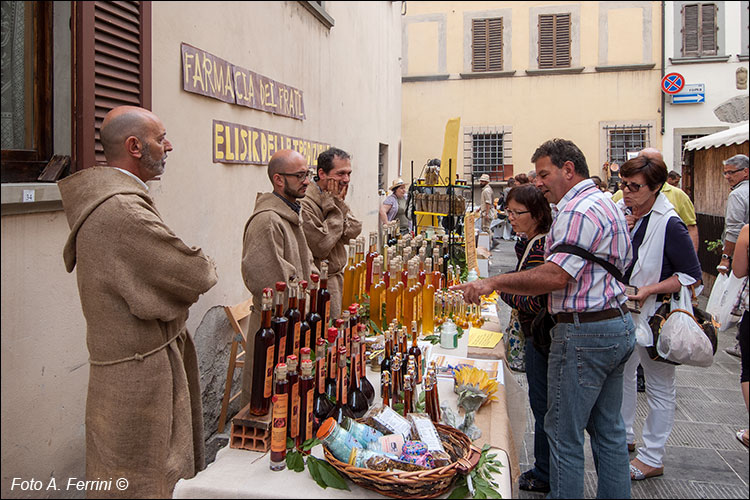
688 98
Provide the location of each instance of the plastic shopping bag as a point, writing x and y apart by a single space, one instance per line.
682 338
725 316
720 284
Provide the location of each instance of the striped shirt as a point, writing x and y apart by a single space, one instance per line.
589 220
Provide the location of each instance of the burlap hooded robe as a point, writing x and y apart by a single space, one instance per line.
329 225
137 280
274 248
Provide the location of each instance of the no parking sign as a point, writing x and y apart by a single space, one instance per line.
672 83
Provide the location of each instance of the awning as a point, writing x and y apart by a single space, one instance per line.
735 135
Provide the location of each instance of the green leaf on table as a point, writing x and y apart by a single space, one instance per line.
487 492
399 408
289 443
312 466
309 444
375 328
294 461
331 476
461 490
433 339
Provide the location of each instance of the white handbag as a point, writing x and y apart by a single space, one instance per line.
726 315
682 339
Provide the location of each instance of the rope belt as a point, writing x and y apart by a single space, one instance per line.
135 357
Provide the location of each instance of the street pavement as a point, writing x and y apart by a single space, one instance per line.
703 457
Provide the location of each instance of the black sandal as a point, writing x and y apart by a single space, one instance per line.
529 482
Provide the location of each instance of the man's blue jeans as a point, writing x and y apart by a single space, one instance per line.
584 377
536 375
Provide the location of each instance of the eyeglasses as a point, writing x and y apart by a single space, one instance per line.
632 186
301 176
730 172
514 213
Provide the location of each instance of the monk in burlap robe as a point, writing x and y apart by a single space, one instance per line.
274 247
144 420
329 223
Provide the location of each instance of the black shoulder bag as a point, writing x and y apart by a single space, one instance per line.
542 324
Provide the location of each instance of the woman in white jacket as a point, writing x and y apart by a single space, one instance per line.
664 260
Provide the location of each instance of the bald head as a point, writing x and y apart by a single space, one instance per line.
283 161
119 124
652 154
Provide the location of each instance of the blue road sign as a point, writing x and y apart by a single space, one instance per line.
689 98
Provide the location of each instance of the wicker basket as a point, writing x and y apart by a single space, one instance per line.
419 484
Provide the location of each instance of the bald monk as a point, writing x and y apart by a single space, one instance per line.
136 280
274 247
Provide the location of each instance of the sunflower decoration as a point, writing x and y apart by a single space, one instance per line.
474 381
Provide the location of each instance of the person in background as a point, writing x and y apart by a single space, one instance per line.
673 178
664 262
274 247
137 281
530 215
511 184
594 333
394 206
600 185
736 215
487 210
329 223
521 179
676 196
740 269
532 176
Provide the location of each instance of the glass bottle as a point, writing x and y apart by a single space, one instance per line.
359 272
321 404
376 292
408 399
293 316
391 296
435 397
279 422
356 399
341 409
313 317
292 415
346 332
347 295
324 297
330 384
369 261
305 334
385 365
385 387
262 388
306 401
364 382
396 377
415 351
279 323
338 441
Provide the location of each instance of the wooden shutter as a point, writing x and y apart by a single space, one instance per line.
708 29
690 39
112 67
487 44
554 41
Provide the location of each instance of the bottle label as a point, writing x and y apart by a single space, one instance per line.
318 327
268 383
282 350
278 433
294 424
328 312
296 338
307 337
309 414
321 374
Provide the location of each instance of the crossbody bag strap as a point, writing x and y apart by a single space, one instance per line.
528 249
580 252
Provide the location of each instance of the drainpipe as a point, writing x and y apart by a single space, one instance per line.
663 71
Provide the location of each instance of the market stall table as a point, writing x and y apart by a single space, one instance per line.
245 474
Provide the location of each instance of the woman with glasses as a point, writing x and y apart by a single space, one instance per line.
530 216
664 260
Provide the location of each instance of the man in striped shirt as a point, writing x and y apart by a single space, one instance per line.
594 335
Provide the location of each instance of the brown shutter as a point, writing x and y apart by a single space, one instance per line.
690 27
708 29
495 44
487 44
554 41
546 41
479 45
113 68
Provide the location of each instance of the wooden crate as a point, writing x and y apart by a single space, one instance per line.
250 432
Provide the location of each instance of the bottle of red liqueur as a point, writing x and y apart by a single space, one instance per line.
306 402
293 316
262 388
314 319
279 421
322 406
324 296
279 323
292 414
305 333
356 399
341 409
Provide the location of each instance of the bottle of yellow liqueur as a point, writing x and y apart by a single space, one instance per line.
347 295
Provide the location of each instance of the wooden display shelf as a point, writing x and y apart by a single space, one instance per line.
250 432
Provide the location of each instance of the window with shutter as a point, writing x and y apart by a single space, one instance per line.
487 44
113 52
554 41
699 27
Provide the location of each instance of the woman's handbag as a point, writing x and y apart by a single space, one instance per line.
687 335
514 342
726 309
